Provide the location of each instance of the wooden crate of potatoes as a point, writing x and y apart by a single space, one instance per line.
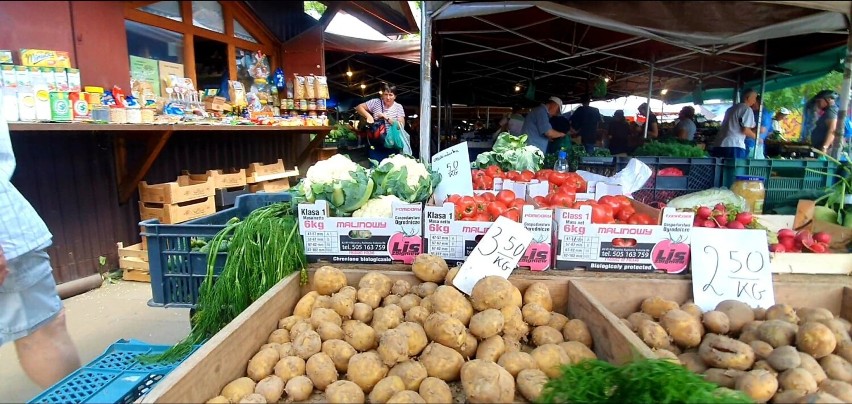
259 172
133 262
178 201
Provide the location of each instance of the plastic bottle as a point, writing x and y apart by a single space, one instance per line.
561 165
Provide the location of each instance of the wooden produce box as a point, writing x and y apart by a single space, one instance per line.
223 357
611 307
279 185
178 212
133 261
807 263
221 178
257 172
182 190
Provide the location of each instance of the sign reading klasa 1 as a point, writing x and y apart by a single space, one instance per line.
361 240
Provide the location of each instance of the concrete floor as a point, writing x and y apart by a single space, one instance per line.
96 320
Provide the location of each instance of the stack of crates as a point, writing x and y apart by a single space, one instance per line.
782 178
228 185
698 174
269 177
176 202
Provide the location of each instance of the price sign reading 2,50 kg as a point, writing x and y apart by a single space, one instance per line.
731 265
497 253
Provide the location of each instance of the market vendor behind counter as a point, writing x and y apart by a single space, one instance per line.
537 124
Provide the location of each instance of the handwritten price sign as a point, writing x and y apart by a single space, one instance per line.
497 253
731 265
454 166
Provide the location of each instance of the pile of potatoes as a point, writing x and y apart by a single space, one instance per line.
395 342
780 354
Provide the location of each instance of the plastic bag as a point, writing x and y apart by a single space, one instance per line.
632 178
394 138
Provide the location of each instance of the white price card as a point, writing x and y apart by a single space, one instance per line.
731 265
497 253
454 166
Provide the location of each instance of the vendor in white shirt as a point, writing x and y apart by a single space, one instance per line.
736 126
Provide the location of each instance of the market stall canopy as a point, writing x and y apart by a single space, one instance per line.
404 49
569 48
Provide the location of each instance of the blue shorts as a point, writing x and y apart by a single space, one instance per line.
28 297
729 152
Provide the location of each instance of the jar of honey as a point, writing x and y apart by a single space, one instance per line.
751 189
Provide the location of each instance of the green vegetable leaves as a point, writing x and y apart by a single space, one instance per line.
669 149
511 153
344 196
393 179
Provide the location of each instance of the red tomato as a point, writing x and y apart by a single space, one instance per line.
624 201
543 175
601 214
488 196
518 203
481 203
527 176
560 199
618 242
557 178
476 173
466 207
625 213
539 199
483 182
567 189
453 198
506 196
494 171
482 217
641 219
496 208
612 203
512 214
576 181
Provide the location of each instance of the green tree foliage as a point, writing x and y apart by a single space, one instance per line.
794 98
314 9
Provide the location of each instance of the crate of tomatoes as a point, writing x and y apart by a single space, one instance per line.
493 178
453 229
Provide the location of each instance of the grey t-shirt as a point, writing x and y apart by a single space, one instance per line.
687 124
737 118
536 124
820 132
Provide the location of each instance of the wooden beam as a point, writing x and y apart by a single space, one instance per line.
252 23
330 11
127 185
409 15
309 149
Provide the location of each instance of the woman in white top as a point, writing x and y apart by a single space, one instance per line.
382 108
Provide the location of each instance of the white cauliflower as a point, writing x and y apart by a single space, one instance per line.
380 207
415 170
337 167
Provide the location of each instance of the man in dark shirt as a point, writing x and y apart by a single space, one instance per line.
584 121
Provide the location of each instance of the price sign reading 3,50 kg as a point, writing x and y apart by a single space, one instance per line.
731 265
497 253
454 166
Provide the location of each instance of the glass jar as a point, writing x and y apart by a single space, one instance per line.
752 190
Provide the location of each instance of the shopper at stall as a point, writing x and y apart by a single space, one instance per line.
386 110
560 124
685 128
650 121
584 122
512 123
754 147
31 313
777 119
737 125
618 133
537 124
822 134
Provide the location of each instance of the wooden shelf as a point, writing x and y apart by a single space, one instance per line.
82 126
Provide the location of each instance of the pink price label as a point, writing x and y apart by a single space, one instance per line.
537 257
670 256
404 248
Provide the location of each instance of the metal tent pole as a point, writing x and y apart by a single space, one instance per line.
438 105
648 110
757 139
425 84
844 95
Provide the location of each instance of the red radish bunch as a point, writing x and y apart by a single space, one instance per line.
722 217
802 241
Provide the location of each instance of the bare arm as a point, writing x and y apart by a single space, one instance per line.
829 138
362 110
553 134
681 133
749 132
652 130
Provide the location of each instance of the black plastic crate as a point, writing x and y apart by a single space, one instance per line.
227 197
698 174
605 166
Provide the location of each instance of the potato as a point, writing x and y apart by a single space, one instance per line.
759 313
425 289
306 304
299 388
635 319
219 400
445 329
549 358
273 345
362 312
723 352
417 315
429 268
344 392
837 328
299 328
487 382
237 389
491 349
530 383
370 370
385 318
788 396
491 292
449 300
441 362
376 281
285 349
542 335
764 365
514 325
841 390
322 302
656 306
557 320
411 372
762 349
370 297
777 333
760 385
576 351
407 397
723 377
685 329
810 364
819 397
451 274
783 312
288 322
435 391
716 322
253 398
415 335
321 370
539 294
514 362
408 302
349 291
279 336
426 303
391 300
692 361
752 326
738 314
393 347
846 323
361 336
535 314
517 299
798 379
837 368
340 352
576 330
667 355
261 364
329 331
815 339
783 358
469 347
653 334
307 344
385 389
512 345
486 323
289 367
807 314
844 350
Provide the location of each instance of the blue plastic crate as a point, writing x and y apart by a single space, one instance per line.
782 178
698 174
176 271
605 166
114 377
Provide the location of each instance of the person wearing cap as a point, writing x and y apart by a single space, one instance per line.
776 121
584 122
735 128
650 121
822 134
537 124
